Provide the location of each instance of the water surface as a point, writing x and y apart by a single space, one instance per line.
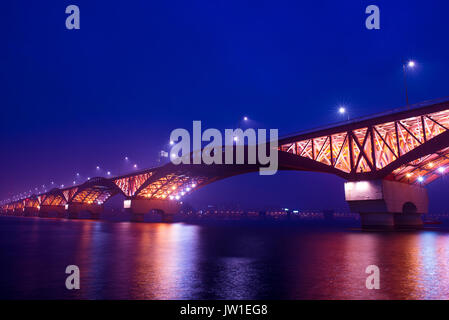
122 260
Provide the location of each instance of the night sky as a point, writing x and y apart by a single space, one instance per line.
74 99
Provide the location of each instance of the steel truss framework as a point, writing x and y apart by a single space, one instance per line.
165 184
376 148
410 146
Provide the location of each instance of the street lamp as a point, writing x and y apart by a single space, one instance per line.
409 64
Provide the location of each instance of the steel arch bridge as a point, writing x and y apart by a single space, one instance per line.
409 145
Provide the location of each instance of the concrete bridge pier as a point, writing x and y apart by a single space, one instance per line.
18 212
139 207
74 210
45 210
387 204
30 211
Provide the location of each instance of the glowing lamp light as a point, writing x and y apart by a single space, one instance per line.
245 118
127 204
341 110
236 139
171 197
88 178
409 175
420 179
172 142
173 188
188 189
183 193
126 158
441 169
411 64
109 173
135 166
177 197
193 185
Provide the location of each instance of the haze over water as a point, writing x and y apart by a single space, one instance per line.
122 260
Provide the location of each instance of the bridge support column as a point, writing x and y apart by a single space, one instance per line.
387 204
74 210
43 214
30 211
139 207
18 212
45 210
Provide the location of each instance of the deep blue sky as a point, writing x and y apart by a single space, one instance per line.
74 99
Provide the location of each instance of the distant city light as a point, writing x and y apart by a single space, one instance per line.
245 118
88 178
441 169
98 168
411 63
420 179
177 197
109 173
409 175
172 142
126 158
341 110
135 166
78 174
74 182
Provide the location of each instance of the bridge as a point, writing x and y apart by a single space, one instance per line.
386 160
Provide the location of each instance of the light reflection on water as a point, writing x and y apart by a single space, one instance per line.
179 261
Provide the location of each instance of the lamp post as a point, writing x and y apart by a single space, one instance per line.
409 64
